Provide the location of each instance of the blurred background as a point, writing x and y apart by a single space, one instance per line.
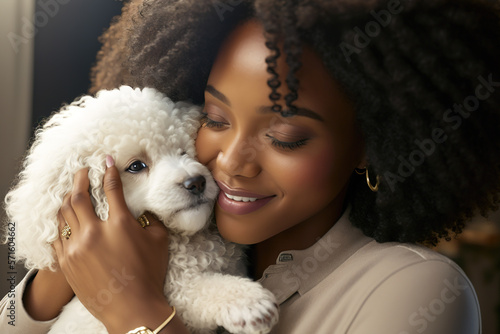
47 48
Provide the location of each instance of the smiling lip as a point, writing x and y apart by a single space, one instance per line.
253 201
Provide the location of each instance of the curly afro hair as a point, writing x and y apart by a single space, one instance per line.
424 77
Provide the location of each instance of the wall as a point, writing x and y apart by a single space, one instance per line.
16 78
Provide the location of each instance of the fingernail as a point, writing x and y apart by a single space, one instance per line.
109 161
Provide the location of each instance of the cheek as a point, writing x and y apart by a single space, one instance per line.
330 164
134 191
314 171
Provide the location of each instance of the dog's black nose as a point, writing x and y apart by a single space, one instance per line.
195 185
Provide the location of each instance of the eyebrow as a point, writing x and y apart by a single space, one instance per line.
217 94
263 109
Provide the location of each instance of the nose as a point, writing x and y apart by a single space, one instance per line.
195 185
239 158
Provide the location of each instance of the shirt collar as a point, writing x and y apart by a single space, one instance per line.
301 270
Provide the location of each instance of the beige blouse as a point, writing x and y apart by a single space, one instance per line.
347 283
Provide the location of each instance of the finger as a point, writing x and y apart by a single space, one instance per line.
66 206
113 189
67 216
155 225
65 231
80 199
58 247
58 244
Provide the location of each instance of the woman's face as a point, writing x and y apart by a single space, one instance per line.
277 174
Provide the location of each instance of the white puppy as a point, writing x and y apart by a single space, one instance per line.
152 141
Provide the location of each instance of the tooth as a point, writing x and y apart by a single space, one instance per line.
241 199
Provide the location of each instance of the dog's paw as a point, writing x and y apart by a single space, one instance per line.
253 310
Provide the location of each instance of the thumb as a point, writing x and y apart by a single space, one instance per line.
112 185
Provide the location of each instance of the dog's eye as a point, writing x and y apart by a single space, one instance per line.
136 166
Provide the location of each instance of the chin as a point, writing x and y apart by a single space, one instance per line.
238 230
189 221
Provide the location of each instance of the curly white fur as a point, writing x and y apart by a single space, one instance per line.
138 125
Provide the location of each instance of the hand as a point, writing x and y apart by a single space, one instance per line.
115 267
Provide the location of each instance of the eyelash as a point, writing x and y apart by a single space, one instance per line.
289 146
210 123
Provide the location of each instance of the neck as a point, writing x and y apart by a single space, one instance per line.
298 237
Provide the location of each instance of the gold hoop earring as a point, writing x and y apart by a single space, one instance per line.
360 171
365 170
375 187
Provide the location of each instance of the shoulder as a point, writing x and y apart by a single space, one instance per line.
415 290
384 288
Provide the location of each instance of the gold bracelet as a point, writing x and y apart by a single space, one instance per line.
140 330
145 330
165 322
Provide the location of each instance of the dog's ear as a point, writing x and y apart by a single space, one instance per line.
32 204
190 115
97 168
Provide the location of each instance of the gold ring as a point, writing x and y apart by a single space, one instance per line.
66 231
143 220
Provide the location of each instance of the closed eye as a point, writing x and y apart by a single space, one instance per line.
207 122
288 146
136 167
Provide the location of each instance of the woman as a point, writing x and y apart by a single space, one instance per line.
342 134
